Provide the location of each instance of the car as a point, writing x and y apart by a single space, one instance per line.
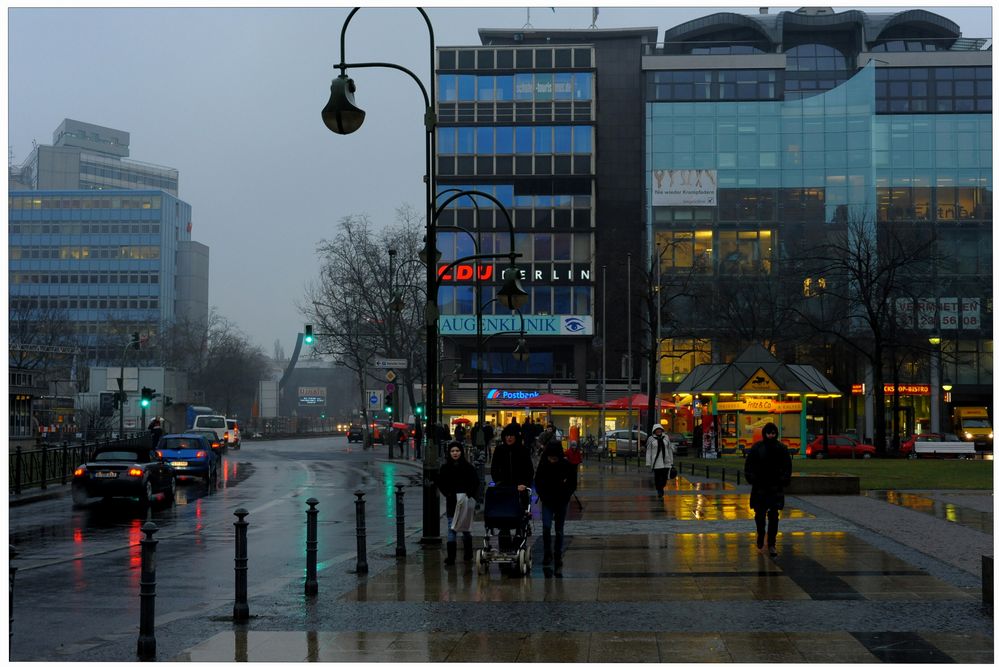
355 433
681 442
214 422
124 471
231 437
624 444
190 455
378 429
217 445
838 447
909 449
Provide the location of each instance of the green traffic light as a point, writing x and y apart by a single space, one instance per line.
388 409
145 402
309 337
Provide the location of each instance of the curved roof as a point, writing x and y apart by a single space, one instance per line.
773 26
754 362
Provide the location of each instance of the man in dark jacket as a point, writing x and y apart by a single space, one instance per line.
512 466
555 482
768 469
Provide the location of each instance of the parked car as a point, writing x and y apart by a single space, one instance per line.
681 441
355 433
951 445
624 442
190 455
838 447
124 471
232 437
213 439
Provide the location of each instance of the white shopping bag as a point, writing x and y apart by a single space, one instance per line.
464 508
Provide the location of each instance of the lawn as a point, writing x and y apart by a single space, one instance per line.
876 473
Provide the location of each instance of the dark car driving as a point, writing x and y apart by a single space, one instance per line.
190 455
124 471
355 433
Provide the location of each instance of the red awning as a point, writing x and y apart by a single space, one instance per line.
637 401
549 401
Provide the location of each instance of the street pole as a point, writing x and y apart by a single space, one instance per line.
603 354
630 433
390 345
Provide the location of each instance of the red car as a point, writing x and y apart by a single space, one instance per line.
906 447
838 447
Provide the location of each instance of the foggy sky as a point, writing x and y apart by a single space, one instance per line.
231 98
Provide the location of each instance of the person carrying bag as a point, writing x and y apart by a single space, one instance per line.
458 483
659 457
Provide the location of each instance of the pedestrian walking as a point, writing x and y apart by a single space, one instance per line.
768 469
512 466
155 430
659 456
554 482
457 476
459 433
544 438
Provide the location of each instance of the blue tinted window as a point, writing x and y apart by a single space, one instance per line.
466 247
466 87
447 85
445 140
523 86
563 301
466 140
505 194
542 300
563 86
563 139
582 306
582 83
542 139
582 139
445 245
485 92
504 140
504 88
524 139
484 140
525 201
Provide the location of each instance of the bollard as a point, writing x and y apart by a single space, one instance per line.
311 547
362 556
17 470
146 648
738 477
400 523
10 607
240 610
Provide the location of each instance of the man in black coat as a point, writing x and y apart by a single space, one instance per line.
768 469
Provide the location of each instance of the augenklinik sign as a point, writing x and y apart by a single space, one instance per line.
534 325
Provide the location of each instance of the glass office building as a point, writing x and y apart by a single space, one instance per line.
762 131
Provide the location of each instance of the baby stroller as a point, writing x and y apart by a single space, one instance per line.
504 511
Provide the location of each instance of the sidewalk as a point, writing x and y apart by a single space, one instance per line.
858 579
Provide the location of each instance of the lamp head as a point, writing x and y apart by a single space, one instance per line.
423 253
340 114
934 340
521 353
512 294
947 386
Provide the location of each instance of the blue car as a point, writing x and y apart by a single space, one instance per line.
189 455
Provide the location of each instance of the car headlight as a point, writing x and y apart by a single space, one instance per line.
967 436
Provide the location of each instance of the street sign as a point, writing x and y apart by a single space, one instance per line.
390 375
390 363
375 399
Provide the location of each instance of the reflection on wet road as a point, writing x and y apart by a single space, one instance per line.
964 516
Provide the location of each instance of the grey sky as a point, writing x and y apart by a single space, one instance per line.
231 98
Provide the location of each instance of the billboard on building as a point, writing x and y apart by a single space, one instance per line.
684 187
312 395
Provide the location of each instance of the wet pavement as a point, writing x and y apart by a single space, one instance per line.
882 577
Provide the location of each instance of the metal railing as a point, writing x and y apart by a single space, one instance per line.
53 463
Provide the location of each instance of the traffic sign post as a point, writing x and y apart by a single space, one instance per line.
391 363
375 399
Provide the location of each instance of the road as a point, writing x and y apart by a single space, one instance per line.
77 584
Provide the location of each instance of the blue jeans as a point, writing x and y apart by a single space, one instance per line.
453 536
558 514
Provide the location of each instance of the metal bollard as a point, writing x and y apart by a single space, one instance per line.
400 523
10 607
311 547
362 556
146 648
17 470
240 610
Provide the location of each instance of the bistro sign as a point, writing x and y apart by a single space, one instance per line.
534 325
903 389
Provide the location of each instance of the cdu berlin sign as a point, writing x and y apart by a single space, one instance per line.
534 325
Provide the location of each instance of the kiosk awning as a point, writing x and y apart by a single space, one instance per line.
756 371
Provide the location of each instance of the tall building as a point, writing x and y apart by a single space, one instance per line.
712 161
101 242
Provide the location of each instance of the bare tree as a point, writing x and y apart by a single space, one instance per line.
38 338
857 275
367 302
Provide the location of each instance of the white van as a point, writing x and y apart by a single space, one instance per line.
215 423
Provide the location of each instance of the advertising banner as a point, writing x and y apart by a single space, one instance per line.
684 187
534 325
312 395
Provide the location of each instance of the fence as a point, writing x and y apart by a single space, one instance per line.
52 463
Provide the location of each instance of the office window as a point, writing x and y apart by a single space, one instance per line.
504 88
484 140
466 87
524 139
486 88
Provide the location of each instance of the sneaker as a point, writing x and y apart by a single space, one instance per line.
773 551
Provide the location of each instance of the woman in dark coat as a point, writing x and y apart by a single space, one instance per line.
768 469
456 476
555 482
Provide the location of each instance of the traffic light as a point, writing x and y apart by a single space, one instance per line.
134 342
389 400
309 337
418 409
147 397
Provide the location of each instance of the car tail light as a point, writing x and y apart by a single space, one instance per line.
200 455
80 472
135 472
215 445
226 437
